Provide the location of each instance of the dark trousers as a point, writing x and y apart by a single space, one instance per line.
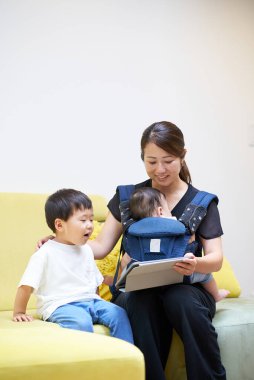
188 309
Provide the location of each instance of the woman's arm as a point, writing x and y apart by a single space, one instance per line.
213 256
107 238
210 262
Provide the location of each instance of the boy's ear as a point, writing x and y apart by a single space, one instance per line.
58 224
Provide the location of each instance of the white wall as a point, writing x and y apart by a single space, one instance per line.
80 80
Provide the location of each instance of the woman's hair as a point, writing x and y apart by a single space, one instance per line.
168 137
63 203
144 201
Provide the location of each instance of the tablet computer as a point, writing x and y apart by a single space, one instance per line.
149 274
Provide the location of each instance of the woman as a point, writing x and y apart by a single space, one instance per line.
188 309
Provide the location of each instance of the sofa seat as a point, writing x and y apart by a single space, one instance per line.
46 351
234 323
43 350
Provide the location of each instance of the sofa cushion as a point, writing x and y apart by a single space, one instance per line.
234 323
42 350
226 279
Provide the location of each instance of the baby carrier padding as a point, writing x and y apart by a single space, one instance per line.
154 238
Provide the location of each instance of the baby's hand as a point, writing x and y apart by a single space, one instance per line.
22 317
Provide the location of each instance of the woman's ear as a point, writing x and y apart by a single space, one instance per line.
58 224
183 156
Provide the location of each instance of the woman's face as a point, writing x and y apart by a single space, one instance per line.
162 167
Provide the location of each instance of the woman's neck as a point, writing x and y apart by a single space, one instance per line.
174 192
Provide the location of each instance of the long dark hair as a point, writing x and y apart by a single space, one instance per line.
168 137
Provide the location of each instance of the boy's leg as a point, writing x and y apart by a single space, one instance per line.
114 317
75 315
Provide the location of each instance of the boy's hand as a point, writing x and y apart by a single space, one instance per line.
22 317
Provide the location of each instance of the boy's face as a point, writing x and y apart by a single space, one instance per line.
77 229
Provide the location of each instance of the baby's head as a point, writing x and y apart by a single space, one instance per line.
69 214
147 201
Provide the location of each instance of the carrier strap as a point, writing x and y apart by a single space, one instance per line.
124 196
195 211
125 192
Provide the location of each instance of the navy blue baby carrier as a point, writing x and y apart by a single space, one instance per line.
155 238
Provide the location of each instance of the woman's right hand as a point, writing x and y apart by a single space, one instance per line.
43 240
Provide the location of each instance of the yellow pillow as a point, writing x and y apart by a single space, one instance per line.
100 209
107 265
226 279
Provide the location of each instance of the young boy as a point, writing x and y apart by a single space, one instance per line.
63 274
150 202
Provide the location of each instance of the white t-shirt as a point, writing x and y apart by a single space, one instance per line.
60 274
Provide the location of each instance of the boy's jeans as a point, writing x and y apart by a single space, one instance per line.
82 315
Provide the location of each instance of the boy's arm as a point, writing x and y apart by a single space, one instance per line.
21 300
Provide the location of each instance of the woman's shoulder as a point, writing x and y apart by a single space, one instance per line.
187 199
147 183
211 225
193 191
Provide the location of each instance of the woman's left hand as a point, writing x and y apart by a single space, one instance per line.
187 266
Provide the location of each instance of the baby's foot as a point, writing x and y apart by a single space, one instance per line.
222 293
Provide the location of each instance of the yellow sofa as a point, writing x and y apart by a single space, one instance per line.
46 351
42 350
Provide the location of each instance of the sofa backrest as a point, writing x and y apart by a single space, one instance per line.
22 224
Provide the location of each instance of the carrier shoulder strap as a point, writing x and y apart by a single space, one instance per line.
125 192
196 210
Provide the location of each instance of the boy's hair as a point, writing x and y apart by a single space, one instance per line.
63 203
144 201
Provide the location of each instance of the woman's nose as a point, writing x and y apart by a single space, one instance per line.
160 168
